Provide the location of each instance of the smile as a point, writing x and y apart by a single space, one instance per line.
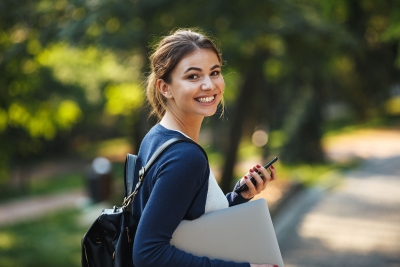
208 99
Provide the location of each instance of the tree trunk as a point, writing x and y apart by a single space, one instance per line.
303 128
243 107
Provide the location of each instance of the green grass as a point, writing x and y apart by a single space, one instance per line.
45 186
60 183
314 174
57 183
53 240
333 128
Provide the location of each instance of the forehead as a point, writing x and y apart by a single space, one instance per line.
200 58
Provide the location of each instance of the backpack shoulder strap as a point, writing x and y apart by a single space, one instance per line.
129 173
130 166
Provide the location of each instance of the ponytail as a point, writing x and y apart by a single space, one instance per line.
155 98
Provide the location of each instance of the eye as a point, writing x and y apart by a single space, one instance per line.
215 73
193 77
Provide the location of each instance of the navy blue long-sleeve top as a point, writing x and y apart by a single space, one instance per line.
174 189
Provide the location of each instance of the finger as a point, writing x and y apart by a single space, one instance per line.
273 173
251 188
259 180
264 172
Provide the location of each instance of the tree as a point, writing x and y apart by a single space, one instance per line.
285 61
52 89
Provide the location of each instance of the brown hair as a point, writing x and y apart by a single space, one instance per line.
167 54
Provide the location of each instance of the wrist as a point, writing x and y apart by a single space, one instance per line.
245 196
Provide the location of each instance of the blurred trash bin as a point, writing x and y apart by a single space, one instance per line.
99 182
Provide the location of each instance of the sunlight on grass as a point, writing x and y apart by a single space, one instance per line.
333 129
50 241
6 241
308 175
59 183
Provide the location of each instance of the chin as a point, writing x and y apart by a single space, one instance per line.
209 114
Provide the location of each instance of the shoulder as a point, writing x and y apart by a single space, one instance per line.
158 135
186 154
187 151
182 156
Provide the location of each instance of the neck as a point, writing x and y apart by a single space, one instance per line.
189 126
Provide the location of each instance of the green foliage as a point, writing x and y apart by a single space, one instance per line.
72 69
50 241
51 87
122 99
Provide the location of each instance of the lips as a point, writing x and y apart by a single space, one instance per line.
207 99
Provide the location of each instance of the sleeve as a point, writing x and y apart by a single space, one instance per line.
235 198
179 179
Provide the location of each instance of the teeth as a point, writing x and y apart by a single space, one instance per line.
206 99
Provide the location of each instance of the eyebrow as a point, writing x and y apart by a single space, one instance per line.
198 69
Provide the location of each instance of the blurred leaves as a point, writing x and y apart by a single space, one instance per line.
122 99
72 70
89 68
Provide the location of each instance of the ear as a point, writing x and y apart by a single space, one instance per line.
163 87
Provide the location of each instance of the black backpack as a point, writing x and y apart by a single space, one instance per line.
109 241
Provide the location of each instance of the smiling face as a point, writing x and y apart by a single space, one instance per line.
196 85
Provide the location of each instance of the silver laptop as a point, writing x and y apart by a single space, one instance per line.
242 233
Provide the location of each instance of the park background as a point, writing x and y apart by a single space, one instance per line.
300 75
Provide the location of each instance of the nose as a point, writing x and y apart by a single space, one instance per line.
207 84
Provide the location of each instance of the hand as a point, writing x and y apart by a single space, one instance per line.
263 265
261 183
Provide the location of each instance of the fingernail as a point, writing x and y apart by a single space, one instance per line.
251 170
245 177
276 266
272 167
258 166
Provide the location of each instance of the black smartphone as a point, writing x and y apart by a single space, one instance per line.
244 187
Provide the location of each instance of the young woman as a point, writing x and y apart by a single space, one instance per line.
185 86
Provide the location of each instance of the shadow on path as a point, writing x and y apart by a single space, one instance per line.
355 224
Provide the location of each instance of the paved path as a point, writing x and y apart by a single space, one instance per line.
355 224
34 207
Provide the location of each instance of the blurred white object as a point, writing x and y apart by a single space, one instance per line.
260 138
101 165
